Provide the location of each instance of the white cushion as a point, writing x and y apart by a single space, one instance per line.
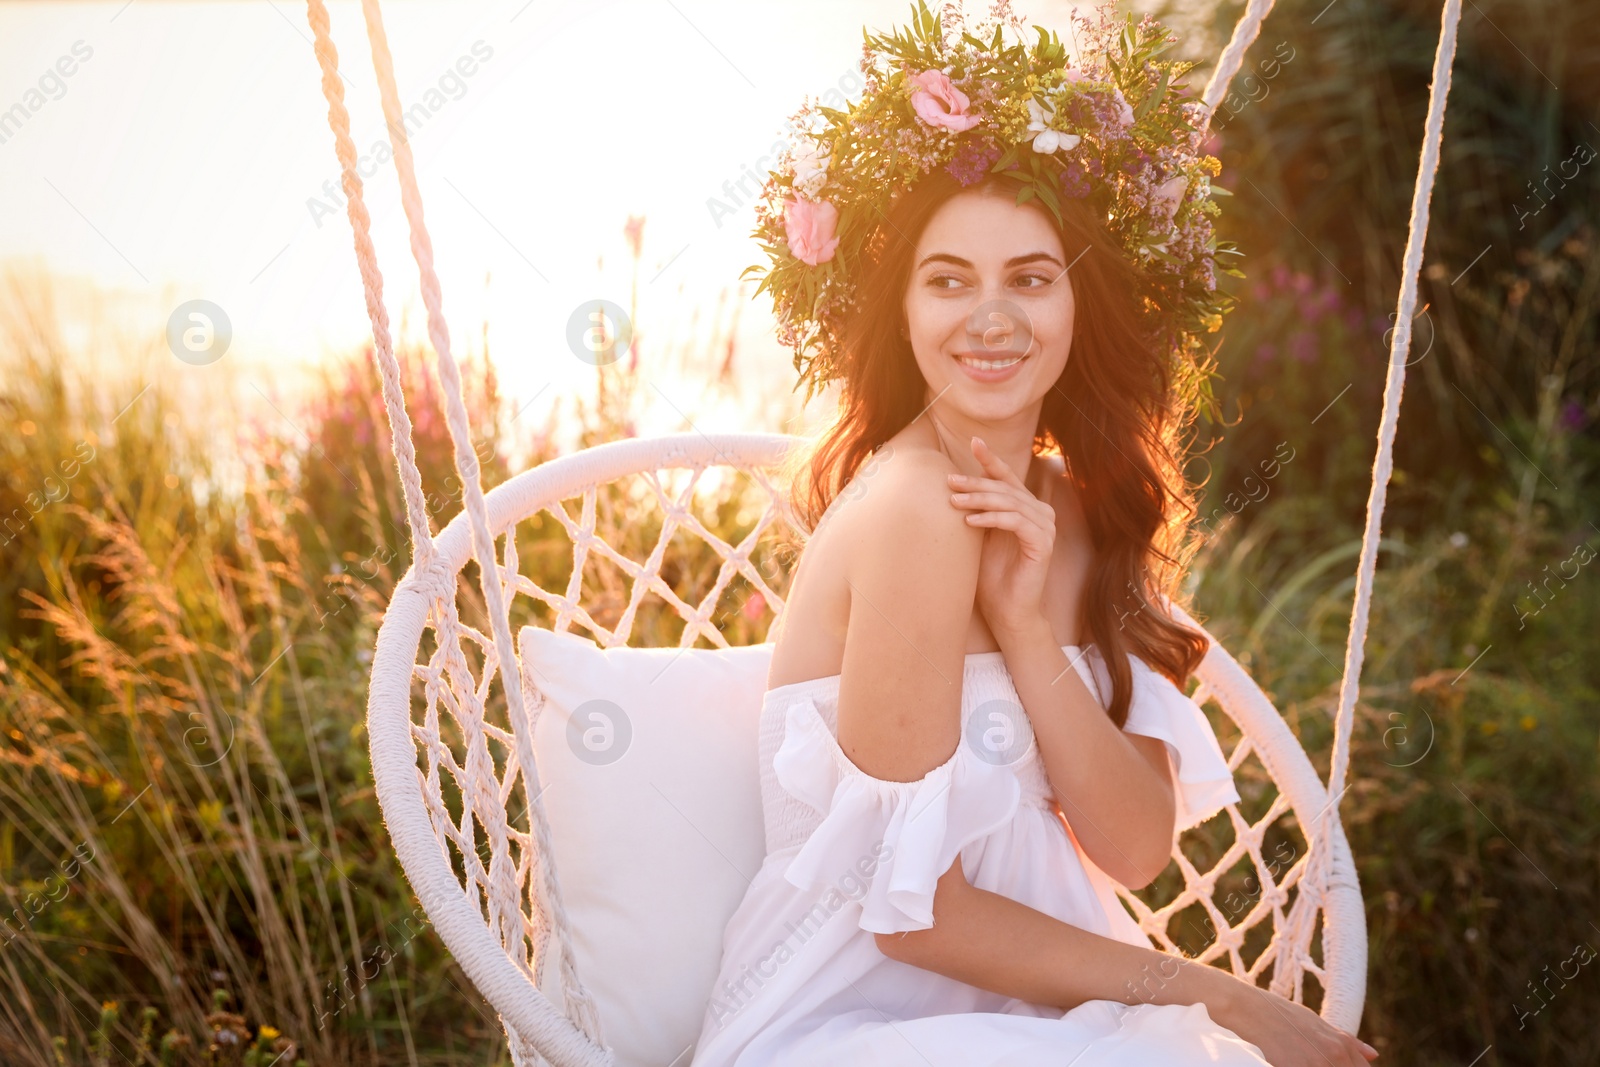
649 770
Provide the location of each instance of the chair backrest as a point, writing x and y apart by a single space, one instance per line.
673 539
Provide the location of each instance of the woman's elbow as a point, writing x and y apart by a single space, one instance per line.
1147 867
1153 855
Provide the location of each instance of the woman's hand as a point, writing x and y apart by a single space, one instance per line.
1018 545
1292 1035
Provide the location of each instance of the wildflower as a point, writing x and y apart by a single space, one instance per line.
1045 140
973 160
939 103
1169 195
810 168
809 229
1075 180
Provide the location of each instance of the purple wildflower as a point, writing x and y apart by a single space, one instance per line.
1573 416
972 160
1075 180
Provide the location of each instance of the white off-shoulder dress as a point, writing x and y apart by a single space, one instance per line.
803 981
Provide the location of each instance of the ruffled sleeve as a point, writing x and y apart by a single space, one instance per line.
1160 709
895 838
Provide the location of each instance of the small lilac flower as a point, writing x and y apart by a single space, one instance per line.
972 160
1573 416
1322 302
1075 180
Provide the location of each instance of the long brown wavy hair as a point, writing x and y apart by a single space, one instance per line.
1115 415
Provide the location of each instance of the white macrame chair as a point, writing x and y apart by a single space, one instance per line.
497 919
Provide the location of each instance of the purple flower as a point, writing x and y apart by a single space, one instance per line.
1320 303
972 160
1573 416
1075 180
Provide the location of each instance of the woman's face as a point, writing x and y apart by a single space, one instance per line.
989 305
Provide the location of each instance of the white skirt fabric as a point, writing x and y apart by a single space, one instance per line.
848 855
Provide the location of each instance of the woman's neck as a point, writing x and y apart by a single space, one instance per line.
1013 443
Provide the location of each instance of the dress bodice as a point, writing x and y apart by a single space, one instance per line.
995 728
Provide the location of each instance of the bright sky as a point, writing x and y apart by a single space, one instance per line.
186 156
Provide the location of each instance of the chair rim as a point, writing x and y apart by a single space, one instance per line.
428 867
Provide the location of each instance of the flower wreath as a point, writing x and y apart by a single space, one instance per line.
1116 131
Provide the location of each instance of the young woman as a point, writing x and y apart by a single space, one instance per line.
972 725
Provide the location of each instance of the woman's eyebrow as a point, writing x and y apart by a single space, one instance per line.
1015 261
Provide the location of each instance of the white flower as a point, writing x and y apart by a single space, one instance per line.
1170 195
1045 140
1125 112
810 168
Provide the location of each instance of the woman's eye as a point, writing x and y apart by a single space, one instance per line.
1038 281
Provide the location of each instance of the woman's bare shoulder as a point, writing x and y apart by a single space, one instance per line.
891 538
902 509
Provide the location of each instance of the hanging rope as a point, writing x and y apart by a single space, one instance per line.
1244 35
1383 463
579 1004
394 400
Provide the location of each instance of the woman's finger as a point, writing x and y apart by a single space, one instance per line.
1027 531
987 501
1036 514
1019 496
994 465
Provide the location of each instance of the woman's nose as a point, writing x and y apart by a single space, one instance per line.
999 327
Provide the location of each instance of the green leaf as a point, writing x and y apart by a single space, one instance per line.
1150 102
1217 190
1027 193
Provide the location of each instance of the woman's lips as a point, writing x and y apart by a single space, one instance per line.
989 367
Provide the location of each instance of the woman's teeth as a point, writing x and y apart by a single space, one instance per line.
990 364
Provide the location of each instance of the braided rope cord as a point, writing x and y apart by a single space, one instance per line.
1228 64
504 901
394 401
1322 843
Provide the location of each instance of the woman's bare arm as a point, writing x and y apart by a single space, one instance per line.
912 574
995 943
1115 788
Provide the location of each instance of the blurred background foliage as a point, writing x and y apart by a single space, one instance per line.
192 862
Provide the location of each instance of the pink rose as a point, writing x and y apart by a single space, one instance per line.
940 103
808 226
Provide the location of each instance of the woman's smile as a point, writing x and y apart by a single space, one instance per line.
989 368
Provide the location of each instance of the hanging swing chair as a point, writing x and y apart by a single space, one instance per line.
478 789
